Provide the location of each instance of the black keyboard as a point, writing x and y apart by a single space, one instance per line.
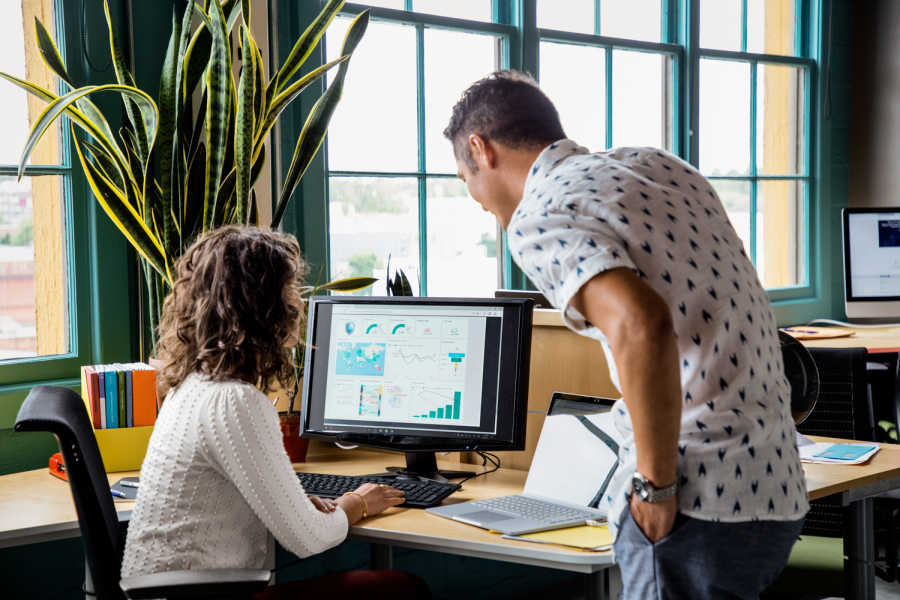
419 494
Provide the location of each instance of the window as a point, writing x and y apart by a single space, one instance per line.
753 141
724 84
34 290
404 202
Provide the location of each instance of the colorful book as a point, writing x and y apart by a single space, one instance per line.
93 396
144 394
112 398
121 395
101 388
129 395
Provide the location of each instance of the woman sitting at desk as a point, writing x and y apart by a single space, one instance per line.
216 477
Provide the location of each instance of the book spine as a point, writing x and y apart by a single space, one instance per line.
129 396
144 396
122 396
93 396
101 386
112 399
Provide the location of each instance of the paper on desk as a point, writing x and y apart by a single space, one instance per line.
584 537
809 449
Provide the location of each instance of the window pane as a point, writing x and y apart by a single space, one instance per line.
640 106
631 19
720 24
397 4
780 231
477 10
574 77
33 290
770 27
453 61
462 242
20 109
724 117
735 197
571 15
371 219
374 126
779 121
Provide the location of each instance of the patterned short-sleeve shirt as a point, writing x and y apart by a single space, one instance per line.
647 210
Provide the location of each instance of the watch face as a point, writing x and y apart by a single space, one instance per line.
640 488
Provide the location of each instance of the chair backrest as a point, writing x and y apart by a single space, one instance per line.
842 411
62 412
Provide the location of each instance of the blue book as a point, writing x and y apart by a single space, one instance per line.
129 401
112 398
101 392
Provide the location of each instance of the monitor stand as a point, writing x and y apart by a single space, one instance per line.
422 466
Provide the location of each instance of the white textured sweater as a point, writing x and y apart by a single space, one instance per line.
215 479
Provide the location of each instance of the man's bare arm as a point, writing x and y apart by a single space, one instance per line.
638 324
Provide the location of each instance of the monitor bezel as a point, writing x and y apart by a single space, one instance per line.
524 321
848 273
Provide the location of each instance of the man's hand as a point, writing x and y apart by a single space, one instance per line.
655 520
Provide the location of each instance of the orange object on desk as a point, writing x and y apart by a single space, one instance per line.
57 468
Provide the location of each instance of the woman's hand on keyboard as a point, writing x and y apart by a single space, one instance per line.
325 505
378 498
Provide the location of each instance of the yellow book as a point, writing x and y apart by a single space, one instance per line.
585 537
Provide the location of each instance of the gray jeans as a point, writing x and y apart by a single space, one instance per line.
703 560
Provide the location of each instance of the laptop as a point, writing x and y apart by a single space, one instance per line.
575 460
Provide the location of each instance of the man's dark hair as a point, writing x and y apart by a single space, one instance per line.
506 107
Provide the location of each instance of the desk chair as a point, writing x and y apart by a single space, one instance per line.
816 565
61 411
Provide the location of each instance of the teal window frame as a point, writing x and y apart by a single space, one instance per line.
516 22
101 267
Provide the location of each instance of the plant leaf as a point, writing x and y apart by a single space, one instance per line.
245 8
124 216
253 213
168 104
245 125
307 42
193 196
49 52
259 93
59 106
280 102
405 288
218 85
350 284
106 165
123 75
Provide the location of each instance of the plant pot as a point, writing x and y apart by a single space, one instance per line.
294 445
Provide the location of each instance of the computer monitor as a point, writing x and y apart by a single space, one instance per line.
418 375
872 264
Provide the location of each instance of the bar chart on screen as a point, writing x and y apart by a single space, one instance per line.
435 403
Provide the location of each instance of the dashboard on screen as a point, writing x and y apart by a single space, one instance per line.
872 261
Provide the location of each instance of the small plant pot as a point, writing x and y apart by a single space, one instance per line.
294 445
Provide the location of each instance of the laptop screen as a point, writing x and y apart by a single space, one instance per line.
577 452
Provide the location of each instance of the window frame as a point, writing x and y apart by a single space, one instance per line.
680 19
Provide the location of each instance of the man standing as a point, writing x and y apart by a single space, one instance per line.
634 247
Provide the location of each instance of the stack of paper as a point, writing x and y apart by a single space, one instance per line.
836 454
585 538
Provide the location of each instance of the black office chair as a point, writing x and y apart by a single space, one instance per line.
816 565
61 411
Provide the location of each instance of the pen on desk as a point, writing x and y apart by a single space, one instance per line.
130 484
117 494
792 330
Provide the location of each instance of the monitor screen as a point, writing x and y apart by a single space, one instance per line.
872 248
416 371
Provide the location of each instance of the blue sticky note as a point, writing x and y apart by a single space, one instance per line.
844 452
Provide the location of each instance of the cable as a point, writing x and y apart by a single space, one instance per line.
485 457
853 325
84 41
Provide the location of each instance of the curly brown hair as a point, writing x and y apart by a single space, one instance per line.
234 306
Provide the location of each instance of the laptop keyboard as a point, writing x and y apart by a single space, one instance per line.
535 509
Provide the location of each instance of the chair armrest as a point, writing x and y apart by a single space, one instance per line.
200 583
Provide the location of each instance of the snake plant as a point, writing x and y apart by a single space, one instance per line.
208 163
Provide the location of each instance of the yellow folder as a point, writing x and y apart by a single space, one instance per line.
584 537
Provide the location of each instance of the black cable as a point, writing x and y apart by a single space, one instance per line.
84 41
485 457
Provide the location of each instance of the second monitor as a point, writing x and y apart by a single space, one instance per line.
418 375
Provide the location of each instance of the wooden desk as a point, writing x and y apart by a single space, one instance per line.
877 341
36 507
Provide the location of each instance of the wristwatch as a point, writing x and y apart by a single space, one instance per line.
647 492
